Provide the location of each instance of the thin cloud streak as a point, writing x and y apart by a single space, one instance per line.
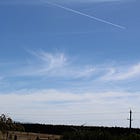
83 14
52 95
124 73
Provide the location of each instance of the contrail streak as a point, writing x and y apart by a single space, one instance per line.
83 14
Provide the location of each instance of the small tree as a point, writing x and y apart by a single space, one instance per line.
7 124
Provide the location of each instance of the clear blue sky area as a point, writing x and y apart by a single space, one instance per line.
76 56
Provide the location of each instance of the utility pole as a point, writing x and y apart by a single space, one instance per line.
130 120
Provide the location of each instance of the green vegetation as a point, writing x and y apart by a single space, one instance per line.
85 132
7 124
99 135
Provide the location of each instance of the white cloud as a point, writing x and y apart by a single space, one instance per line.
123 73
43 105
50 61
59 65
57 60
86 72
54 65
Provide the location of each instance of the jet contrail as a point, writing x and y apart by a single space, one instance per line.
83 14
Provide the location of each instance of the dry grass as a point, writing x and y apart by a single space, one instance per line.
27 136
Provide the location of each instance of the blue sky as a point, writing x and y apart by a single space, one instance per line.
71 61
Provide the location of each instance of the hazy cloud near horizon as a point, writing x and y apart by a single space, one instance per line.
59 107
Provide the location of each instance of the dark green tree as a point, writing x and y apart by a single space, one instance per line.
7 124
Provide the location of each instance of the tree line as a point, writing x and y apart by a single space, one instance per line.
85 132
71 132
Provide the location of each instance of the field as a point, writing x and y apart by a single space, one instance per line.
13 135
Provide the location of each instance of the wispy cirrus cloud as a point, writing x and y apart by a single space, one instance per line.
55 65
122 73
53 61
60 65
